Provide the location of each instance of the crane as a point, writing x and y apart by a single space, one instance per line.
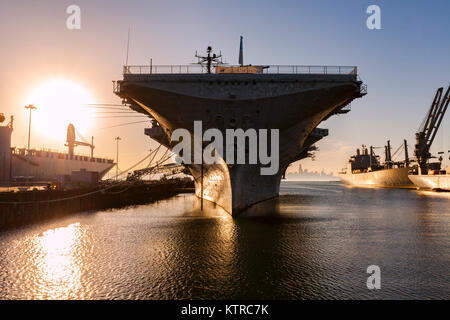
427 132
72 143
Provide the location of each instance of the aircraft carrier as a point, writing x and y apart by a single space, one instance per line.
293 99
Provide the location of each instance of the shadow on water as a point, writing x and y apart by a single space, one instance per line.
265 253
210 255
276 211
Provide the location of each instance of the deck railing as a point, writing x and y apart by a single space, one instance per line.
273 69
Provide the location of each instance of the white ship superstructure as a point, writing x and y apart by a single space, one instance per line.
44 165
18 165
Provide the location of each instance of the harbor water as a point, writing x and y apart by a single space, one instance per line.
314 242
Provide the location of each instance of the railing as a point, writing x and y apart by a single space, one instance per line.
274 69
116 86
52 153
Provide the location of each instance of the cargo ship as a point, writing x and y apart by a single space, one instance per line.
432 181
25 166
429 175
294 99
364 169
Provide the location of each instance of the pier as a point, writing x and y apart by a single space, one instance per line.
23 208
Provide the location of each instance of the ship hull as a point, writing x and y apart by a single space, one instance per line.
393 178
51 168
234 189
294 105
437 182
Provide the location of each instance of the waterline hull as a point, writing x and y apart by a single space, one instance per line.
437 182
386 178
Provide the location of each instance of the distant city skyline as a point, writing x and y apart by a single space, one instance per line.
305 174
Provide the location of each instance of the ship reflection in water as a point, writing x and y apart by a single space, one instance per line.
315 241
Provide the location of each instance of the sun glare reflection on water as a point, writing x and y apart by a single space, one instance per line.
56 262
429 193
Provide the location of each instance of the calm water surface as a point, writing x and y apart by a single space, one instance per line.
315 241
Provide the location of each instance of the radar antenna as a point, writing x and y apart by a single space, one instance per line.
209 61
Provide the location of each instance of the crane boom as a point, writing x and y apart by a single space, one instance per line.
427 133
72 142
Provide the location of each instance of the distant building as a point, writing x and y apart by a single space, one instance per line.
313 175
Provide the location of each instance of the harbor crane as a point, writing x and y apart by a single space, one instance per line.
427 132
72 142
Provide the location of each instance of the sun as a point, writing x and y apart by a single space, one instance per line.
60 102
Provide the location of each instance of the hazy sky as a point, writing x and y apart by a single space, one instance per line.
402 64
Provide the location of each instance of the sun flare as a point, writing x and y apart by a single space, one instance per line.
60 102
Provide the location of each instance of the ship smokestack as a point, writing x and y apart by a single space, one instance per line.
241 54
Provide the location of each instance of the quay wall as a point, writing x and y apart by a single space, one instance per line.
23 208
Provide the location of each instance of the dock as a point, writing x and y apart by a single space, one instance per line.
18 209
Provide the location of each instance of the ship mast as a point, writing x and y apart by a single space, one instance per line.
241 54
209 60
